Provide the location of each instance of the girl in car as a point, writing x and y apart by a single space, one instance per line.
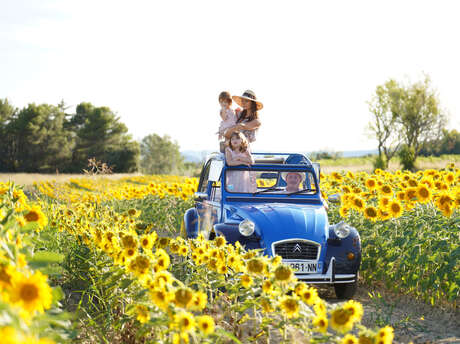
238 153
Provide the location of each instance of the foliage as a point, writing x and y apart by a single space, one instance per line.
409 228
407 157
29 308
100 135
159 155
137 285
385 125
43 138
447 143
405 114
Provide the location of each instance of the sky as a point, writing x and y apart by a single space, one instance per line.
160 65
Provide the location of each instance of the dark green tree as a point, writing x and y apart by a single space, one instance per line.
44 144
7 144
100 134
160 155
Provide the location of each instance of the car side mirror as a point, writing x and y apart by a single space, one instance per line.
200 196
334 198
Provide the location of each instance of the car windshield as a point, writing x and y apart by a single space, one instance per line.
295 182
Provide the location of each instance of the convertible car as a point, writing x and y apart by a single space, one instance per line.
280 210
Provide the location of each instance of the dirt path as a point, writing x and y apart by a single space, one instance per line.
413 321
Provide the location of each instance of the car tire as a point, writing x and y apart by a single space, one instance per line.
346 291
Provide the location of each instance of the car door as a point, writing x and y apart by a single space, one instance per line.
208 202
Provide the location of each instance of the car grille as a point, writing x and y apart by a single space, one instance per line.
290 250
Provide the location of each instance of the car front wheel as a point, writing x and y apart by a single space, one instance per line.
346 290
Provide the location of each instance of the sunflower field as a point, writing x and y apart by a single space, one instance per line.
95 260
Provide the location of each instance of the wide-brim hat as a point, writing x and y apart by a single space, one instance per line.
249 95
301 174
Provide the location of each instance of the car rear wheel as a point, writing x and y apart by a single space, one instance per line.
346 290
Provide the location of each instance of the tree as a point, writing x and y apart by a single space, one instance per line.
409 113
159 155
100 134
385 125
43 142
417 109
7 145
447 143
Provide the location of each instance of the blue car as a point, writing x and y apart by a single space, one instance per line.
276 205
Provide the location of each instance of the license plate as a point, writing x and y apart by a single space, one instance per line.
304 267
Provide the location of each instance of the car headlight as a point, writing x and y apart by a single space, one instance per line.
246 227
342 230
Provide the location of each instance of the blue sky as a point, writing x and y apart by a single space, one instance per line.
161 64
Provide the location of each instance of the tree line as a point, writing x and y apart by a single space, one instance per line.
46 138
408 121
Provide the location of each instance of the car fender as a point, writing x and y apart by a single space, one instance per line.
340 248
232 234
191 223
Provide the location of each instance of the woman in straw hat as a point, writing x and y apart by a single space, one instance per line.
247 120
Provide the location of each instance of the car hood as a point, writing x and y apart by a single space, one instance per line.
281 221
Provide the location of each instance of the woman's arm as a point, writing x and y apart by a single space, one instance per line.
252 125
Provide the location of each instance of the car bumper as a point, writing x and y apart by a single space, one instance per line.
330 277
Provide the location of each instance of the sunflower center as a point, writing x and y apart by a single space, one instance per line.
32 216
341 317
29 292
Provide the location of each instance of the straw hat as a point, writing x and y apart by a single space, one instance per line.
249 95
301 174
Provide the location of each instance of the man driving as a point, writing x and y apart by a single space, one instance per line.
294 180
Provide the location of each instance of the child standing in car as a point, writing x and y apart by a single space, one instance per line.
237 153
228 118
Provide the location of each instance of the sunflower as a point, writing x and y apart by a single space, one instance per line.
423 193
183 297
395 209
383 215
341 320
161 298
386 190
6 275
371 213
320 307
180 338
371 183
32 292
205 324
289 305
147 242
267 287
143 314
199 301
283 273
344 211
220 241
385 335
355 309
310 296
349 339
34 214
246 281
256 266
401 196
320 323
161 279
266 305
358 204
184 321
